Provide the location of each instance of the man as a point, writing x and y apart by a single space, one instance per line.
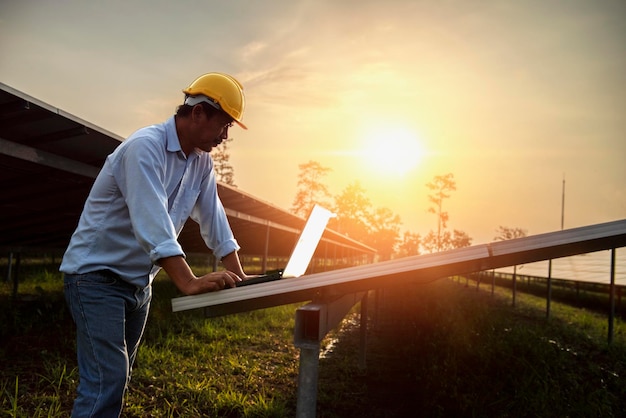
148 187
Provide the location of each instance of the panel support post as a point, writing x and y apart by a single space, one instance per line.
363 332
514 285
313 322
307 381
266 248
612 298
549 289
16 274
10 267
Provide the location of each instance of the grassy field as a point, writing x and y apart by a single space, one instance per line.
433 350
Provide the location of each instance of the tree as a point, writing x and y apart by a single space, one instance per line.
224 172
443 239
504 233
441 187
433 242
384 232
353 211
379 228
447 241
310 188
460 239
409 244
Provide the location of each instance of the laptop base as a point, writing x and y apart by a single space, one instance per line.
268 277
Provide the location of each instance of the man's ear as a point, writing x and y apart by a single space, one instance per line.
197 112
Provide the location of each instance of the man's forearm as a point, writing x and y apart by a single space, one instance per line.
232 263
179 271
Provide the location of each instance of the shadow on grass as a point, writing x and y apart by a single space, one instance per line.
443 350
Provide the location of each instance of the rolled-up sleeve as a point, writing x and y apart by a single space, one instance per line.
140 177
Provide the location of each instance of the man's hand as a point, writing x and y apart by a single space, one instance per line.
216 281
186 281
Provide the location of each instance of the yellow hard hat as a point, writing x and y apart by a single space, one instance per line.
221 91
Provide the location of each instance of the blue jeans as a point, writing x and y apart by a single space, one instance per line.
110 316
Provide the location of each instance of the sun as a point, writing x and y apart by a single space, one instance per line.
393 150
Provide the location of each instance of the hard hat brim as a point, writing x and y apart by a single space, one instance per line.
194 100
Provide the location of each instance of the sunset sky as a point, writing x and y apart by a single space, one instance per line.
509 96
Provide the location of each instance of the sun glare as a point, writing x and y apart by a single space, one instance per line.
393 150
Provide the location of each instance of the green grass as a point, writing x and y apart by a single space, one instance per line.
440 349
241 366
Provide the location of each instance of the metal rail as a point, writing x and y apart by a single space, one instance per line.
420 268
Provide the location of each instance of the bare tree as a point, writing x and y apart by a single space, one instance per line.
440 187
504 233
224 172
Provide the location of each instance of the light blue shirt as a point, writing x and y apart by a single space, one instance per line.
139 203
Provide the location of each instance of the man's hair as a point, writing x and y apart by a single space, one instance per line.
184 110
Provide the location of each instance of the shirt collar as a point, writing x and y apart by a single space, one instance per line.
172 140
171 137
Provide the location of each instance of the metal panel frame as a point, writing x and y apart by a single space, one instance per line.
410 269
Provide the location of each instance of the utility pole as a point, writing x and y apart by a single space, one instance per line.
563 204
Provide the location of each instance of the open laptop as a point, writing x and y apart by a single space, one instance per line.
302 253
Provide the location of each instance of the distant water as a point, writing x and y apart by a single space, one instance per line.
591 267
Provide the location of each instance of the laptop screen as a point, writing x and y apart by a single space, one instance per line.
307 243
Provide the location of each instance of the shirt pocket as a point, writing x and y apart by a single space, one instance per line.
183 205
